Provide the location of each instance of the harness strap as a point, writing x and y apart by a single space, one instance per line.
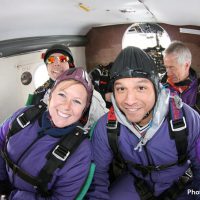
178 128
59 155
56 158
176 189
143 190
170 194
150 168
26 118
20 122
113 132
17 170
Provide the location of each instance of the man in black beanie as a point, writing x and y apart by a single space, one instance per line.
149 137
58 58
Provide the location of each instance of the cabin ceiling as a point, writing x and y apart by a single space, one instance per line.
25 18
32 25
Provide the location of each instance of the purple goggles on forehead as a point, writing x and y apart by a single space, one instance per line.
79 75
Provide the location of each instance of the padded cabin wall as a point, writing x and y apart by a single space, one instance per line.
104 43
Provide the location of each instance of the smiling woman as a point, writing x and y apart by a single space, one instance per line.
55 132
72 94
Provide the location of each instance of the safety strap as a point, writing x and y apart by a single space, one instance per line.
178 127
143 189
56 158
145 170
113 131
26 118
59 155
17 170
169 194
176 188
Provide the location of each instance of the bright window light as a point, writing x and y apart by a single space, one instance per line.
152 38
40 75
145 35
145 40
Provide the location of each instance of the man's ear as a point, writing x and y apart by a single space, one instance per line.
189 62
187 65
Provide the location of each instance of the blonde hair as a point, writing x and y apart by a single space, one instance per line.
70 83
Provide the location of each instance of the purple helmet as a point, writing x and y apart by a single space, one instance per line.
79 75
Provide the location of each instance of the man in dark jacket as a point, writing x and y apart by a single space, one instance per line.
101 81
180 77
152 131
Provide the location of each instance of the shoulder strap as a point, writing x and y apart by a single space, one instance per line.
113 131
27 117
178 127
59 155
56 158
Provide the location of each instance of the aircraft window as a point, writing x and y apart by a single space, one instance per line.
40 75
26 78
145 40
152 38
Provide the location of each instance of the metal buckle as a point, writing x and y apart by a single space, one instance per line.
157 168
83 130
180 128
111 125
189 173
58 156
21 122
